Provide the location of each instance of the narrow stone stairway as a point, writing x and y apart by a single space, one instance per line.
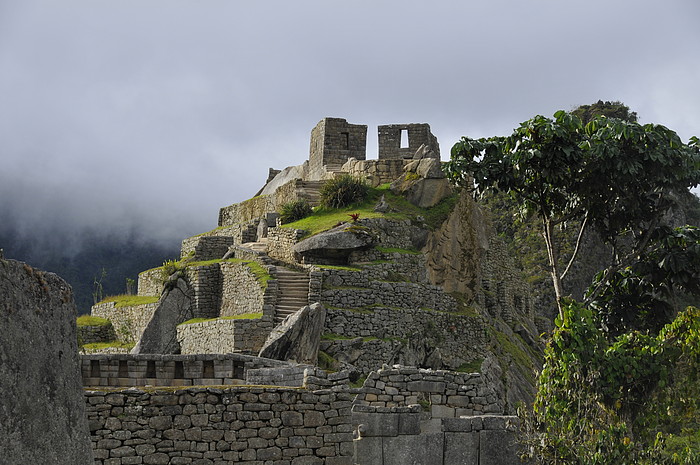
293 292
309 190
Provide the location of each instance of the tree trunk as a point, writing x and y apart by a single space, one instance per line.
548 234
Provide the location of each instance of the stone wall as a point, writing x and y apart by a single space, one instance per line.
150 282
128 322
251 209
399 335
446 394
99 333
115 370
220 336
505 294
334 141
240 290
388 294
418 134
375 171
205 248
206 282
241 425
397 436
281 241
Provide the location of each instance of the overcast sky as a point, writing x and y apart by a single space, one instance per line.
156 113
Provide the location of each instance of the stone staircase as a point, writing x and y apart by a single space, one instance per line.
309 190
293 288
260 246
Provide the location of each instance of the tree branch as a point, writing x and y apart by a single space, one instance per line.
576 248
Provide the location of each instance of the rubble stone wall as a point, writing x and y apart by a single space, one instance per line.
220 336
98 333
206 247
206 282
281 241
241 425
375 171
150 282
241 292
128 322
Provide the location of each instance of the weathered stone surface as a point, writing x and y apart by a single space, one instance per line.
423 183
174 307
42 411
334 244
298 337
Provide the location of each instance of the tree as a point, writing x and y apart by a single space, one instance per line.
609 174
614 109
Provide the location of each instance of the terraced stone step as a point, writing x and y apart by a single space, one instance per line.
293 292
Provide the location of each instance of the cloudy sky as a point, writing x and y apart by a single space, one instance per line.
154 114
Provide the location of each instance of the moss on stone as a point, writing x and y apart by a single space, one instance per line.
243 316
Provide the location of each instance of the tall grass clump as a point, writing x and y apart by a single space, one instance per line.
293 211
343 191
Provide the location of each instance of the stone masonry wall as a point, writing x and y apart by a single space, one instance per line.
121 370
206 282
220 336
248 210
238 425
281 241
241 291
128 322
446 394
375 171
98 333
462 338
418 134
334 141
206 247
150 282
388 294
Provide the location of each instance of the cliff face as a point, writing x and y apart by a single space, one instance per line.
42 411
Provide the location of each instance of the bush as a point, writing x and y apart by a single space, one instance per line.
293 211
343 191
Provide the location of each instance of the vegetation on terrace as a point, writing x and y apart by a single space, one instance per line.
243 316
324 218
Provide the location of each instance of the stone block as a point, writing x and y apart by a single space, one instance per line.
462 448
427 448
369 451
442 411
409 423
498 448
426 386
376 424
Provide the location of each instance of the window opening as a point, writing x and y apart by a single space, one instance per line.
179 370
151 369
404 139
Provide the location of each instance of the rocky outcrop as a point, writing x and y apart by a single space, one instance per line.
334 245
423 183
174 307
42 412
454 251
298 337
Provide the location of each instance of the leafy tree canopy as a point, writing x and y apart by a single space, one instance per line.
614 109
612 174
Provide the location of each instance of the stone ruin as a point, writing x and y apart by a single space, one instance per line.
416 315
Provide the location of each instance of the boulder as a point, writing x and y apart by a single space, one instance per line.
42 409
174 307
430 168
298 337
334 245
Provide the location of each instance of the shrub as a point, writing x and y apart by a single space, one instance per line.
293 211
343 191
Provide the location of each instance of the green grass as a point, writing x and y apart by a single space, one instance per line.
88 320
244 316
126 300
471 367
107 345
323 219
341 268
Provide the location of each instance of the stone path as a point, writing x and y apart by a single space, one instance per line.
293 292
